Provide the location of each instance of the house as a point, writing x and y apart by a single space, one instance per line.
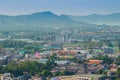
62 62
6 76
95 62
78 77
3 61
108 50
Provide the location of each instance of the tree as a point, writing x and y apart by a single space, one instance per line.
45 73
118 72
79 52
59 73
106 59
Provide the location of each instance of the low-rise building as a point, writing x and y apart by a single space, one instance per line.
78 77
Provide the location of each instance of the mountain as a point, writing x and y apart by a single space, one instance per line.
39 21
39 16
49 22
96 18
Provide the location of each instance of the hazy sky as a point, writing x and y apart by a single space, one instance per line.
72 7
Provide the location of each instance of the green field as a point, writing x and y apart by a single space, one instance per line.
70 45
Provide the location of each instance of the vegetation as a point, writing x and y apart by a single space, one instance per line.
12 44
106 59
31 67
70 45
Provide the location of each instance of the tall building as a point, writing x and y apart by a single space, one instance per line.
59 38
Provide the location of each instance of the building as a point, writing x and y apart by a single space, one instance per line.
6 76
108 50
59 38
95 62
4 60
78 77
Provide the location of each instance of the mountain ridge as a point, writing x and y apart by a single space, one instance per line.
45 22
37 21
97 17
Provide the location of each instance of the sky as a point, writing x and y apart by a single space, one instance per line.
69 7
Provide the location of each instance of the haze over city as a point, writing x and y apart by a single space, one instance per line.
59 40
69 7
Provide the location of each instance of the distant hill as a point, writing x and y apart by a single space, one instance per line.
35 17
50 22
39 21
111 19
